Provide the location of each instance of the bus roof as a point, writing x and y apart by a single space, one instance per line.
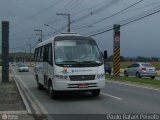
50 40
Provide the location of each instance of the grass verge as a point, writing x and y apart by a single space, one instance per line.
134 79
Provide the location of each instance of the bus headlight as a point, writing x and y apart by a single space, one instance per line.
61 77
100 76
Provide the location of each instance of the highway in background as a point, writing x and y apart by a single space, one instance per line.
116 98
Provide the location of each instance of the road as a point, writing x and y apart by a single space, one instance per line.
115 98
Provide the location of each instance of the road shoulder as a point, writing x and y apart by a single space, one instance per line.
11 103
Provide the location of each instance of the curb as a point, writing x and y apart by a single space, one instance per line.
33 106
24 112
22 95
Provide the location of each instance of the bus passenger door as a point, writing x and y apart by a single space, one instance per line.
48 68
40 72
39 65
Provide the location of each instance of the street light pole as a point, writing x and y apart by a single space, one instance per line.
40 34
52 28
69 20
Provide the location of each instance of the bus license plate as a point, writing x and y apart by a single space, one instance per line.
83 86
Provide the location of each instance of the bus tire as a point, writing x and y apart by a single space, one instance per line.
52 93
96 92
40 86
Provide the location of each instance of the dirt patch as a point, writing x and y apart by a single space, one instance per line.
10 99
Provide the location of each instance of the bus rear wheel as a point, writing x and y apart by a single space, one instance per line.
95 93
40 86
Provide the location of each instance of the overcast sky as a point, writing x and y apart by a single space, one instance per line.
140 38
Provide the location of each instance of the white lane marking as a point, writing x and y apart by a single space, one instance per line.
134 85
111 96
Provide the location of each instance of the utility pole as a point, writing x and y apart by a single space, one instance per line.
39 34
5 51
69 20
116 50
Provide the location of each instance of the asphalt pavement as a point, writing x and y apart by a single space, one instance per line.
115 98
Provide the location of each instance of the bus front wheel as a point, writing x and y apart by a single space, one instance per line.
52 93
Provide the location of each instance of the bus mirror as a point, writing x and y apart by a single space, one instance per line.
102 54
105 55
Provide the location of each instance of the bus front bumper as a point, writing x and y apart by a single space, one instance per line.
78 85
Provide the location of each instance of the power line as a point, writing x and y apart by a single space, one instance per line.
73 3
38 13
88 26
145 6
66 6
101 8
105 6
86 9
76 4
130 20
103 19
23 46
91 13
70 5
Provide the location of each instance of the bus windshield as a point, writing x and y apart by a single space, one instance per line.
77 53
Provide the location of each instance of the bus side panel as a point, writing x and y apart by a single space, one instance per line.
39 72
48 73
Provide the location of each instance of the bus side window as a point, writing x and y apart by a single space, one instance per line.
50 54
45 55
37 55
41 54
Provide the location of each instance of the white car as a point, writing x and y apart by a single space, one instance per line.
140 70
23 68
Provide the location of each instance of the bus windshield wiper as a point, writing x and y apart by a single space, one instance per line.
95 62
69 62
